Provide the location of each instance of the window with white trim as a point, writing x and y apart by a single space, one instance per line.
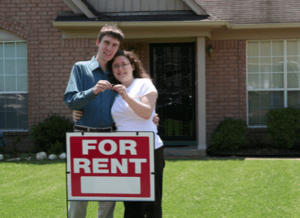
13 86
273 77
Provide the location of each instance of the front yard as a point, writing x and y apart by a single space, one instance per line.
192 188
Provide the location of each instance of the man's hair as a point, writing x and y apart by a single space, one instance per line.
112 31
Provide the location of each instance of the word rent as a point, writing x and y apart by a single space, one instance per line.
108 165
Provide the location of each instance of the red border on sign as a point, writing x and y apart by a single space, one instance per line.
142 149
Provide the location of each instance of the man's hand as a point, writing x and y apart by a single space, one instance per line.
101 86
121 89
156 119
77 116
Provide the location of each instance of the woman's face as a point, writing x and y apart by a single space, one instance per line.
123 70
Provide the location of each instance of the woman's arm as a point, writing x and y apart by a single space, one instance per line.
144 108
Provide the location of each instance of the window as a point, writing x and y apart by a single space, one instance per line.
13 86
273 77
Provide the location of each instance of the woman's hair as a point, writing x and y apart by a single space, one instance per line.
138 72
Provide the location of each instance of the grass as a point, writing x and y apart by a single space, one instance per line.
192 188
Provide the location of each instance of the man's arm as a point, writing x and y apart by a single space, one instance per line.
156 119
75 96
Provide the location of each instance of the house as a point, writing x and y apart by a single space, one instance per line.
208 59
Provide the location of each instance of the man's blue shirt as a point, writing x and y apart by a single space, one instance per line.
79 94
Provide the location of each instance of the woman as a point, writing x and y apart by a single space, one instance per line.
133 110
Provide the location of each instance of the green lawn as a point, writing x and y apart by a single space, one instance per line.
192 188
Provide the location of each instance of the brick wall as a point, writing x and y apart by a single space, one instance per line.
141 50
50 58
225 82
32 20
24 145
55 73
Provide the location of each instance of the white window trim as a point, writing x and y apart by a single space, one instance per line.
13 92
285 89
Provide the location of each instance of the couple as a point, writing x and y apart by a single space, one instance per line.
130 104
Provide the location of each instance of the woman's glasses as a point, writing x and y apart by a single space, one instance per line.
123 66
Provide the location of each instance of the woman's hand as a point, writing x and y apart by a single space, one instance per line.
121 89
77 115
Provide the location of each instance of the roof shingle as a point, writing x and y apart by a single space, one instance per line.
253 11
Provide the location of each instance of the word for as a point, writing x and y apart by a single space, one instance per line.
123 144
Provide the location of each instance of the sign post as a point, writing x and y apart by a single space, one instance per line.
110 166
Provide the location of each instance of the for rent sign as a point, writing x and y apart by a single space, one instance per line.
115 166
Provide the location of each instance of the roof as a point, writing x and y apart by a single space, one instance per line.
127 17
234 12
252 12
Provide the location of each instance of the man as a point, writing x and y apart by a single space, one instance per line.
90 91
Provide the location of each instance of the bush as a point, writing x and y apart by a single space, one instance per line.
50 133
3 143
14 149
56 148
282 125
230 135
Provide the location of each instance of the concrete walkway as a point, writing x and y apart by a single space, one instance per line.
183 152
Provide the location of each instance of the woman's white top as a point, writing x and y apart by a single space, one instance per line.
126 119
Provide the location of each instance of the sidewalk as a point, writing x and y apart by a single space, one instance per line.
187 152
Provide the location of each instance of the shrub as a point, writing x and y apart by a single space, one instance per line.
3 143
282 125
230 135
14 149
56 148
49 132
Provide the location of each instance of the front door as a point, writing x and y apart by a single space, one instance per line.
172 68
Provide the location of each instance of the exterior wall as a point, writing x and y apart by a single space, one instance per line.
24 145
141 49
225 83
32 20
138 5
50 58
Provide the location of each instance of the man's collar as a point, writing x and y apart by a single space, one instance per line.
94 64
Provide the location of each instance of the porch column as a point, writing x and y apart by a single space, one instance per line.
201 101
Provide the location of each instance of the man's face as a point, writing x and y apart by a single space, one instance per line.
107 48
